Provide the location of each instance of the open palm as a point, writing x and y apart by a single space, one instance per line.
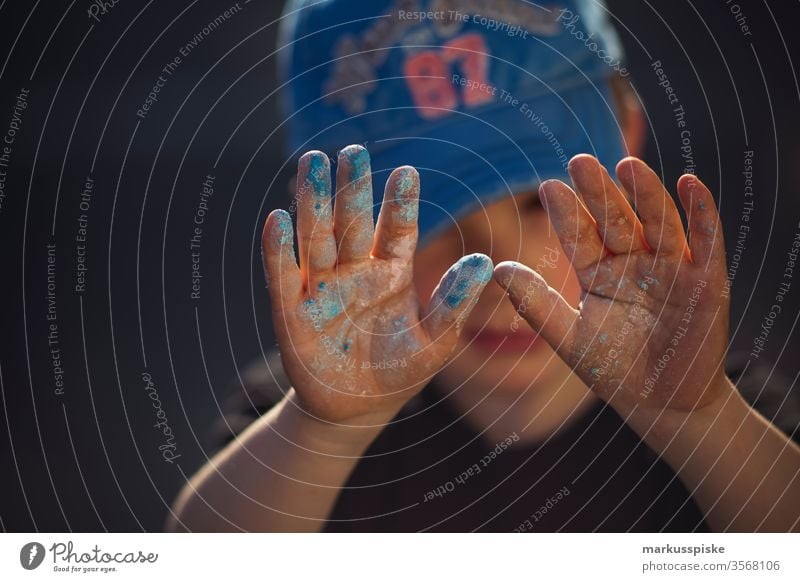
651 329
354 340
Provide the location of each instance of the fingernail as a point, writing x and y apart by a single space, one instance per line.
283 227
590 160
407 202
544 191
469 272
317 167
505 272
358 157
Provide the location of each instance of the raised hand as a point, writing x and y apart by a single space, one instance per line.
652 327
353 338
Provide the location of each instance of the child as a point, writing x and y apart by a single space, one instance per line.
610 412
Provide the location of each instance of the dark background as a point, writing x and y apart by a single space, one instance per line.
89 459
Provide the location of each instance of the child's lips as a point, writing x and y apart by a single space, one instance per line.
490 340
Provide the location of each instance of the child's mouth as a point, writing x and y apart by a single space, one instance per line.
502 341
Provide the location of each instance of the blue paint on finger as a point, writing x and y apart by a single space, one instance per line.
461 280
358 157
283 222
318 174
406 200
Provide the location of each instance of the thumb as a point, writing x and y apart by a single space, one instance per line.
539 304
455 296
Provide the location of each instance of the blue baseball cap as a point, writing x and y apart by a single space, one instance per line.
486 98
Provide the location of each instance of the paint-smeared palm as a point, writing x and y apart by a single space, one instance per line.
353 339
652 327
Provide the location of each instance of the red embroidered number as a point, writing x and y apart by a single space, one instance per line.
428 76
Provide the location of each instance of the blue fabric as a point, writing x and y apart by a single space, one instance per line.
351 74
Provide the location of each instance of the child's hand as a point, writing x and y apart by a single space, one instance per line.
652 327
353 340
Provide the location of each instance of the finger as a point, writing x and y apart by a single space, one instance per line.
620 229
455 296
316 244
284 281
663 229
575 227
352 217
706 240
396 231
539 304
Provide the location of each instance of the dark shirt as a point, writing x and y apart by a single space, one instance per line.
431 471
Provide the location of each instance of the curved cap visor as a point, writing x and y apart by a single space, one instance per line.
405 88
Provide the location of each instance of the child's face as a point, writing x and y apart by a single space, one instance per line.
497 347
